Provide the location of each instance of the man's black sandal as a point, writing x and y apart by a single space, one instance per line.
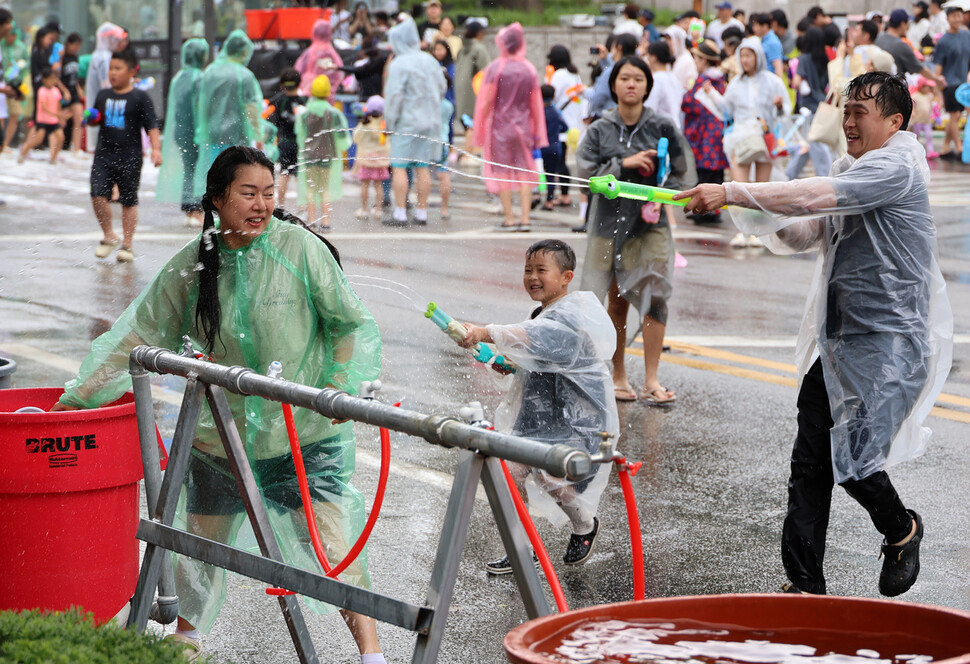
900 565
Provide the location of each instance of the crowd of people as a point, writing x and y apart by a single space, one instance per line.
678 108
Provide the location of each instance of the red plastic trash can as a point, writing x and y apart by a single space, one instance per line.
68 504
297 22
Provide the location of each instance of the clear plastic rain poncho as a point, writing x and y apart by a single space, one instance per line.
230 104
283 298
878 313
685 69
179 152
107 39
412 98
562 392
321 138
749 98
509 117
621 244
320 58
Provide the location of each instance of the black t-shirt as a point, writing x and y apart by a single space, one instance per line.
123 116
284 117
70 67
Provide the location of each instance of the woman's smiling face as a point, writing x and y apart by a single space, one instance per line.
246 206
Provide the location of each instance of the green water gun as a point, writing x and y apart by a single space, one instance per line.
612 188
481 352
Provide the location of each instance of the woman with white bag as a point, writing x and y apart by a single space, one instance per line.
753 101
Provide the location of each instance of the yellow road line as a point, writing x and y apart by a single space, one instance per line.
785 381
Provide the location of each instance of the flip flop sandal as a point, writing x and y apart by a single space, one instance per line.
625 394
651 399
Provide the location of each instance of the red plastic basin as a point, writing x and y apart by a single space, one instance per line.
297 22
68 504
262 23
858 621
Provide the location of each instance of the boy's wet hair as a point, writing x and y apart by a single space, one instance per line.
289 78
74 38
563 254
548 92
889 92
128 57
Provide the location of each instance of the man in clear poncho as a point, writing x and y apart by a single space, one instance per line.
876 341
108 39
561 392
509 123
282 296
230 104
412 114
176 180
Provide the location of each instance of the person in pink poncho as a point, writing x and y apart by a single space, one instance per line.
510 123
320 58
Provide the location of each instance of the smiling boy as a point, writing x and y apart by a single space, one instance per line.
125 111
876 343
562 391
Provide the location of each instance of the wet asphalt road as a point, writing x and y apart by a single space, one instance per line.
711 492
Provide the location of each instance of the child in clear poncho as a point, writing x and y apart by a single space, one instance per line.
321 138
249 291
876 342
562 391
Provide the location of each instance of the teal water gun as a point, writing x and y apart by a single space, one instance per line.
481 352
612 188
663 160
540 169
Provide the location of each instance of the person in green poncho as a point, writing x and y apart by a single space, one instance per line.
322 138
176 180
14 56
230 104
248 291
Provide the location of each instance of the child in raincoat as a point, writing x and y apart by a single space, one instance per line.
267 290
373 156
322 137
562 391
176 180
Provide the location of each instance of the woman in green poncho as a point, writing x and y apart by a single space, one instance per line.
230 103
176 180
267 290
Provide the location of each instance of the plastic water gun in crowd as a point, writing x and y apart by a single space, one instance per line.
663 160
540 169
91 117
268 109
481 352
575 93
146 84
467 121
609 186
783 143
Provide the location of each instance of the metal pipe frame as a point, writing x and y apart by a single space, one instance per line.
558 460
477 463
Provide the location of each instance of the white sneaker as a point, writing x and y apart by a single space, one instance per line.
754 242
361 213
105 247
738 241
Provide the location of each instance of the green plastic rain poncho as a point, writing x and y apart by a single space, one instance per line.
283 298
412 98
322 138
230 103
176 180
562 392
878 315
15 58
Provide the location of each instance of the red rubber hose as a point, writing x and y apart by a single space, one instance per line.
633 516
358 546
530 530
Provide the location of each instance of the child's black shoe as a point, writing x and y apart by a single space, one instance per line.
581 546
503 566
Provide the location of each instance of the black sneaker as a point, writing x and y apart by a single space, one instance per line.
503 566
581 546
900 565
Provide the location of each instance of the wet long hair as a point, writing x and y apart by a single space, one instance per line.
559 58
221 175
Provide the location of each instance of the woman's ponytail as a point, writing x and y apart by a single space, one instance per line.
208 312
